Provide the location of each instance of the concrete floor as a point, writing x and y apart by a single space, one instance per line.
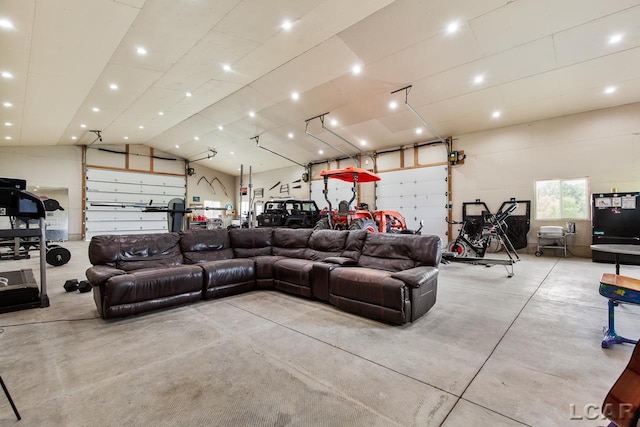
493 351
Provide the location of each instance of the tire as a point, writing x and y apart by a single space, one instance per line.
364 224
323 224
460 248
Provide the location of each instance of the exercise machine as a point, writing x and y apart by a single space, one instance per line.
471 249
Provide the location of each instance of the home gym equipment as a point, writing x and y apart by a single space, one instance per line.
492 227
6 393
618 289
175 210
21 290
73 285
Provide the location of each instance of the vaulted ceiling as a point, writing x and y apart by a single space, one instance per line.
473 65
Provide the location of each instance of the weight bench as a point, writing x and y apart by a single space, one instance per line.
618 289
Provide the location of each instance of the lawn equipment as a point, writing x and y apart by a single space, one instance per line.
361 218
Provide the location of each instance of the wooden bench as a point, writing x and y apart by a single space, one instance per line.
618 289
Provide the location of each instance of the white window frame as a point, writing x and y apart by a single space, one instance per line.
562 217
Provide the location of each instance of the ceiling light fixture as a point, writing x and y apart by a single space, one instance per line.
197 138
160 113
419 131
113 86
226 67
610 90
334 122
7 104
356 69
252 114
8 124
363 142
232 153
74 137
7 138
220 127
187 94
5 23
140 127
295 96
496 114
616 38
290 135
393 105
478 79
82 125
177 146
320 152
95 109
453 27
126 137
286 25
141 51
6 75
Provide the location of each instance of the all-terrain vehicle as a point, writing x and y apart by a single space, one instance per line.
361 218
290 213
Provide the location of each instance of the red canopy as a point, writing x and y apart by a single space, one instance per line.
346 174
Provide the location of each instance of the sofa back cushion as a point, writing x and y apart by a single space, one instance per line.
250 242
205 245
355 242
291 243
326 243
135 251
396 252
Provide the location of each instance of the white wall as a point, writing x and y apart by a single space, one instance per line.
603 145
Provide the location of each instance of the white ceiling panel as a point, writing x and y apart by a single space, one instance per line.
538 58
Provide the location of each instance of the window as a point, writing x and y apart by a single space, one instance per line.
562 199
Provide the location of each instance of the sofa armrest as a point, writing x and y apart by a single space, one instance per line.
99 274
340 260
416 277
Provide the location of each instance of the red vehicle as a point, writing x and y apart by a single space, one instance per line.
345 218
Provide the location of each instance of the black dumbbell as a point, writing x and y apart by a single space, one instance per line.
73 285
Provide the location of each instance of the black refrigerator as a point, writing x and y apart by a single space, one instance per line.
615 218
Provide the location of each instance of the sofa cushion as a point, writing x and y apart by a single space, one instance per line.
228 277
291 243
250 242
396 252
205 245
353 245
368 285
292 270
326 243
136 251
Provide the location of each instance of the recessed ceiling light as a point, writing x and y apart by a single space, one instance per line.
8 124
95 109
320 152
419 131
356 69
5 23
286 25
363 142
113 86
7 104
177 146
197 138
126 137
290 135
141 51
393 105
453 27
496 114
160 113
7 137
232 153
334 122
140 127
616 38
220 127
478 79
187 94
610 90
295 96
74 137
252 114
6 75
83 125
226 67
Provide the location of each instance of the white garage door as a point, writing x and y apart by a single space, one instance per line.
338 191
418 194
131 190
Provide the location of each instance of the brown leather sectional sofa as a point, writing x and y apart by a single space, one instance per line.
387 277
